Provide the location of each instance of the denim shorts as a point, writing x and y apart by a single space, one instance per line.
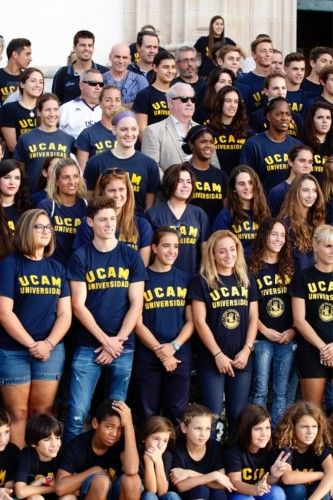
20 367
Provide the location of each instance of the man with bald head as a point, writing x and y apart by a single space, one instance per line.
129 83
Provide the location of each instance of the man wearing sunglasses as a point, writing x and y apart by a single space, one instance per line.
163 141
83 111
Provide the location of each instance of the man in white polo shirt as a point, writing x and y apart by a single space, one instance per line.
83 111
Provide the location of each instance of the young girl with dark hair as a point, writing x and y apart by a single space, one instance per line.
251 463
303 210
190 221
217 79
274 350
14 192
204 44
304 433
229 119
318 134
20 116
246 207
156 437
162 365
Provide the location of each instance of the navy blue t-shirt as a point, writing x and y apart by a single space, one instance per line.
229 146
320 155
164 309
210 462
29 466
227 308
308 461
14 115
143 172
252 466
79 456
12 216
276 197
35 146
302 259
315 89
268 158
153 103
35 286
193 228
65 221
107 276
201 45
297 100
8 459
95 139
256 85
8 84
246 232
274 299
85 234
211 187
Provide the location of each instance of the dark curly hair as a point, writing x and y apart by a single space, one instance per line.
258 250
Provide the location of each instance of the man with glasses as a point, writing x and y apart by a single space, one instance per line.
66 80
83 111
188 64
163 141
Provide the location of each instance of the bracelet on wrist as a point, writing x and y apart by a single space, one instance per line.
50 344
215 355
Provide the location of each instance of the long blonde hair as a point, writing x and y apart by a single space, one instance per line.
208 268
52 188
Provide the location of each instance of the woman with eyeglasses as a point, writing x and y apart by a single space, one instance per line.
150 104
44 141
143 170
65 205
225 315
132 230
14 192
229 118
35 314
190 221
17 118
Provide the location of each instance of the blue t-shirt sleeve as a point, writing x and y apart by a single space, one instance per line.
91 173
76 268
204 226
247 155
141 102
82 142
7 273
145 232
20 153
83 235
138 272
222 221
195 291
154 181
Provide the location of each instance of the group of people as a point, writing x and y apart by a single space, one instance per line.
154 227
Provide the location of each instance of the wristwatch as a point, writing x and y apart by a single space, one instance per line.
250 346
175 345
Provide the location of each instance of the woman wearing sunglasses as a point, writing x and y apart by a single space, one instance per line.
191 222
132 230
35 314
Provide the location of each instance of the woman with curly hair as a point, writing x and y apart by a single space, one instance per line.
225 314
14 192
204 44
65 205
272 265
132 230
318 134
303 432
303 210
229 118
313 318
246 206
327 187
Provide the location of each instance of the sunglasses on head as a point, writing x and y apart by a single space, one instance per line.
114 170
92 83
185 99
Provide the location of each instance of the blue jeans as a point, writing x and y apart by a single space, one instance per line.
84 378
213 385
302 491
170 495
276 493
280 358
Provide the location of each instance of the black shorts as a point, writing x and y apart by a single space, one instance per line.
309 366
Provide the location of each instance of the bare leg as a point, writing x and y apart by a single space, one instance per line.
15 399
313 390
42 395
